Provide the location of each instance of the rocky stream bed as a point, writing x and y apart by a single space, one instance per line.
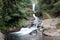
51 31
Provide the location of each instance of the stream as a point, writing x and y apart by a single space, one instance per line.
29 33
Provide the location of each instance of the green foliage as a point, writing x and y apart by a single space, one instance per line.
2 25
51 6
57 5
22 4
9 10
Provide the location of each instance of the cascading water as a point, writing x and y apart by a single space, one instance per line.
24 33
27 30
36 21
33 7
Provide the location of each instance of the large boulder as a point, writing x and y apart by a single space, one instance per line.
50 23
1 36
52 29
51 26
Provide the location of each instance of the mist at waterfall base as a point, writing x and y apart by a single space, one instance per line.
28 33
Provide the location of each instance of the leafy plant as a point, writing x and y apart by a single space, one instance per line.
51 6
12 12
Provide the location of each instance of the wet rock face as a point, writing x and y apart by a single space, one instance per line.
1 36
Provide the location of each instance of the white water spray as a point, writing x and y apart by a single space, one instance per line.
24 31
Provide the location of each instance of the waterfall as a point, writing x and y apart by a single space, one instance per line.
33 7
27 30
36 21
31 32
